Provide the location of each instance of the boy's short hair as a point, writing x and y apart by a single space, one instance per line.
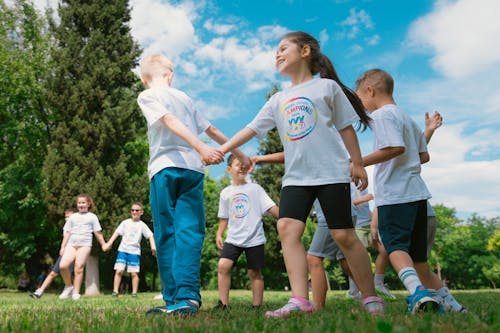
155 65
230 159
137 203
379 79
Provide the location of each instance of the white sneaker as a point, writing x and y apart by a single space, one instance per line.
75 297
66 293
384 292
37 294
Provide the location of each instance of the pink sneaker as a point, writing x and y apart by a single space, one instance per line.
374 305
295 304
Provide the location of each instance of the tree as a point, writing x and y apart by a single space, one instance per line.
24 64
94 145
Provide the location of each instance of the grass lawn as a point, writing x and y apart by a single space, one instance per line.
21 313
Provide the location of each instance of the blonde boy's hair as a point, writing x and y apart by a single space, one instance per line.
379 79
155 65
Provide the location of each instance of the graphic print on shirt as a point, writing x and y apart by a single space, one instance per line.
300 116
239 205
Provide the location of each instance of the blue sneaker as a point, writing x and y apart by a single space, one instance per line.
421 301
184 308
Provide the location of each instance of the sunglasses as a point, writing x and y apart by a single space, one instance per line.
135 210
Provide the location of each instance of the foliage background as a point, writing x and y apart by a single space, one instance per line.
69 123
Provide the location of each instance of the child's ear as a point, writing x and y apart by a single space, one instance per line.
145 82
306 51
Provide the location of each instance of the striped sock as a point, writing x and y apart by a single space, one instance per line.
409 277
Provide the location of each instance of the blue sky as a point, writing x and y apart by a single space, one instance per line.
443 55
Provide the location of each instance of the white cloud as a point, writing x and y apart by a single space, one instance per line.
323 37
463 34
160 27
220 29
355 23
469 186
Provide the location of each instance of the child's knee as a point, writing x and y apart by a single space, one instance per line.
314 262
118 272
225 266
345 238
254 274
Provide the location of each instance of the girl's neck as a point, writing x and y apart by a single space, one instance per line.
303 74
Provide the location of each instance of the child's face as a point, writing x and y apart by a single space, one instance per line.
136 211
82 204
236 171
288 56
67 215
365 94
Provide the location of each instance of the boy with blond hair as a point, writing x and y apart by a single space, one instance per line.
176 182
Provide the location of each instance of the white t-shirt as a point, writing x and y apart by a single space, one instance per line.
398 180
81 226
165 148
244 206
308 117
362 211
430 210
131 233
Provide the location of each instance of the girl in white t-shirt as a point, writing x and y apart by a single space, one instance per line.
314 119
77 243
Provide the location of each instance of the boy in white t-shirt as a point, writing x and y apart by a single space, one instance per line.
132 230
241 207
400 192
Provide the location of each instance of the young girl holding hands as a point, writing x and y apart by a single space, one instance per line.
77 243
314 119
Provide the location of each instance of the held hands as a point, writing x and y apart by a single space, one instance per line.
210 155
359 176
106 247
153 251
433 122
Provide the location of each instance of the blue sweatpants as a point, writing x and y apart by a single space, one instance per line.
176 197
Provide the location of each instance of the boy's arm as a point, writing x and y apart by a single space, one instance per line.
110 242
153 245
358 172
424 157
364 198
274 211
64 242
208 154
215 134
218 237
382 155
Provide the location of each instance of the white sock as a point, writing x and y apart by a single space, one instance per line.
378 279
353 288
409 277
448 298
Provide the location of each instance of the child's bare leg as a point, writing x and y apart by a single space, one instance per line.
294 254
224 279
428 278
357 259
82 254
117 280
257 283
66 260
135 282
318 281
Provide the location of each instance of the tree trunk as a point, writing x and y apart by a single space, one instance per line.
438 266
92 276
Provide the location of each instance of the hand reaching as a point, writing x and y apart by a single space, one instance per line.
434 122
210 155
359 176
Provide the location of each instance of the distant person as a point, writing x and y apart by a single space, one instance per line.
76 245
129 252
400 192
175 168
241 207
23 283
55 269
40 278
314 118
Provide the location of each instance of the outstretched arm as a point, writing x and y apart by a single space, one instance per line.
110 242
237 140
208 154
100 238
153 245
215 134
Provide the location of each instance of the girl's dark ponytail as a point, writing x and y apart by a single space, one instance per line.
322 65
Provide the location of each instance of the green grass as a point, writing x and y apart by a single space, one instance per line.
20 313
